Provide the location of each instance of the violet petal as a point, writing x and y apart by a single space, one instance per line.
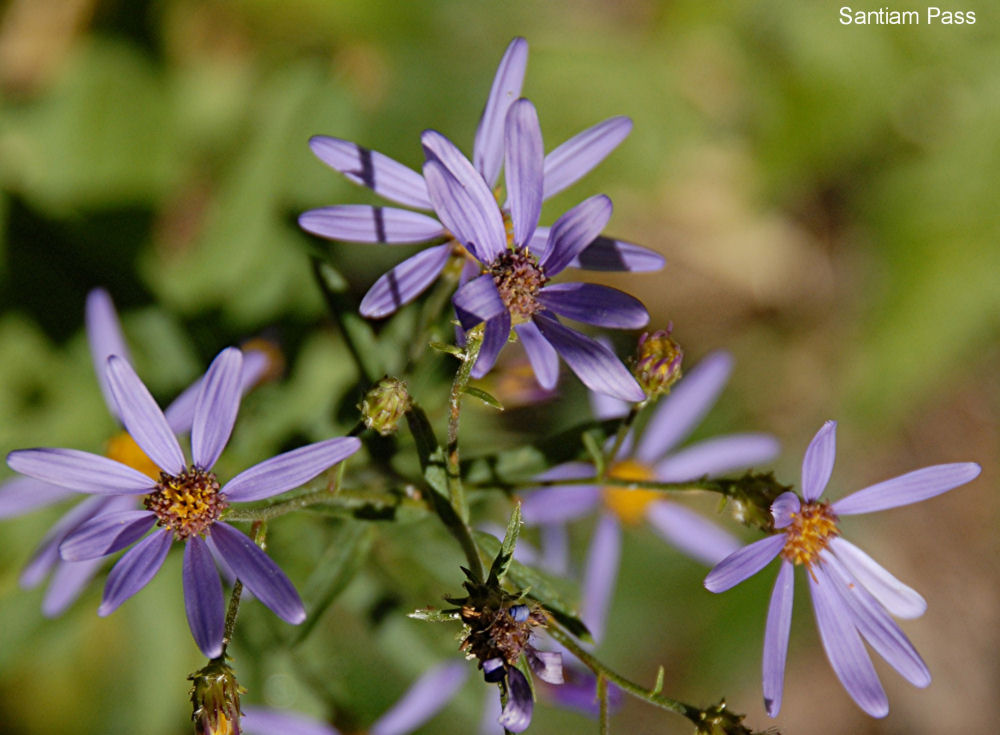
782 508
470 212
574 231
693 534
577 157
600 575
134 570
80 471
607 254
559 504
405 282
744 563
516 716
523 169
378 172
718 456
899 599
909 488
496 332
432 691
216 408
779 621
20 495
546 665
46 554
289 470
488 145
817 465
105 534
543 357
104 335
266 721
592 303
203 601
69 579
479 300
376 225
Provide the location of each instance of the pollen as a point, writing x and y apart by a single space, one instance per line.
518 278
809 533
630 504
122 448
187 503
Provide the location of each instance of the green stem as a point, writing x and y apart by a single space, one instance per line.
722 486
623 429
458 386
259 534
346 500
602 697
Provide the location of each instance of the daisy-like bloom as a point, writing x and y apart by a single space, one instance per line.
852 595
513 288
401 184
653 456
432 691
185 502
24 494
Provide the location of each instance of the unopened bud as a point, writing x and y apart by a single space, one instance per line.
385 405
720 720
215 697
752 496
658 362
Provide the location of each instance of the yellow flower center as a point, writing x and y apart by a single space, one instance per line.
809 533
629 504
187 503
122 448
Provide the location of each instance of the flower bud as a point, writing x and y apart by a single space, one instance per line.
384 405
719 720
752 495
657 362
215 696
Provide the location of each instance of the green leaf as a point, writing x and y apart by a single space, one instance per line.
487 398
501 563
658 687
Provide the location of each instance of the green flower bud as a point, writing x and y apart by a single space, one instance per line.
384 405
215 697
657 363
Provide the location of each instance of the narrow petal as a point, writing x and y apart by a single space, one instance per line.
592 303
479 299
203 600
379 173
487 150
843 646
605 407
574 231
21 495
559 504
899 599
134 570
874 623
783 507
46 554
405 282
516 716
542 356
554 557
69 580
80 471
216 408
718 456
265 721
362 223
468 210
684 407
575 158
106 534
496 332
432 691
143 419
600 575
104 335
909 488
524 153
260 575
606 254
546 665
817 465
779 622
289 470
596 366
744 563
693 534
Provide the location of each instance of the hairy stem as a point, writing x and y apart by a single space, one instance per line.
455 491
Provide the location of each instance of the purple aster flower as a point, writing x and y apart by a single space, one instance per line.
398 183
432 691
852 595
185 503
653 456
514 287
24 494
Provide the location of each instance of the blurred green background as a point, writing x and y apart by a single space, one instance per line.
825 197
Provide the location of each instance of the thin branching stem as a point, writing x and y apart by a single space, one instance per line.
458 386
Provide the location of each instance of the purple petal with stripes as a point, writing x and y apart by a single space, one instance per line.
487 150
495 334
592 303
578 156
696 536
559 504
546 665
46 554
432 691
468 210
216 408
524 153
817 465
405 282
203 601
595 365
744 563
516 715
574 231
69 580
289 470
843 646
899 599
605 407
478 300
256 570
377 225
104 335
554 557
134 570
265 721
685 406
600 575
783 507
378 172
607 254
80 471
779 621
21 495
717 456
909 488
143 419
543 357
106 534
